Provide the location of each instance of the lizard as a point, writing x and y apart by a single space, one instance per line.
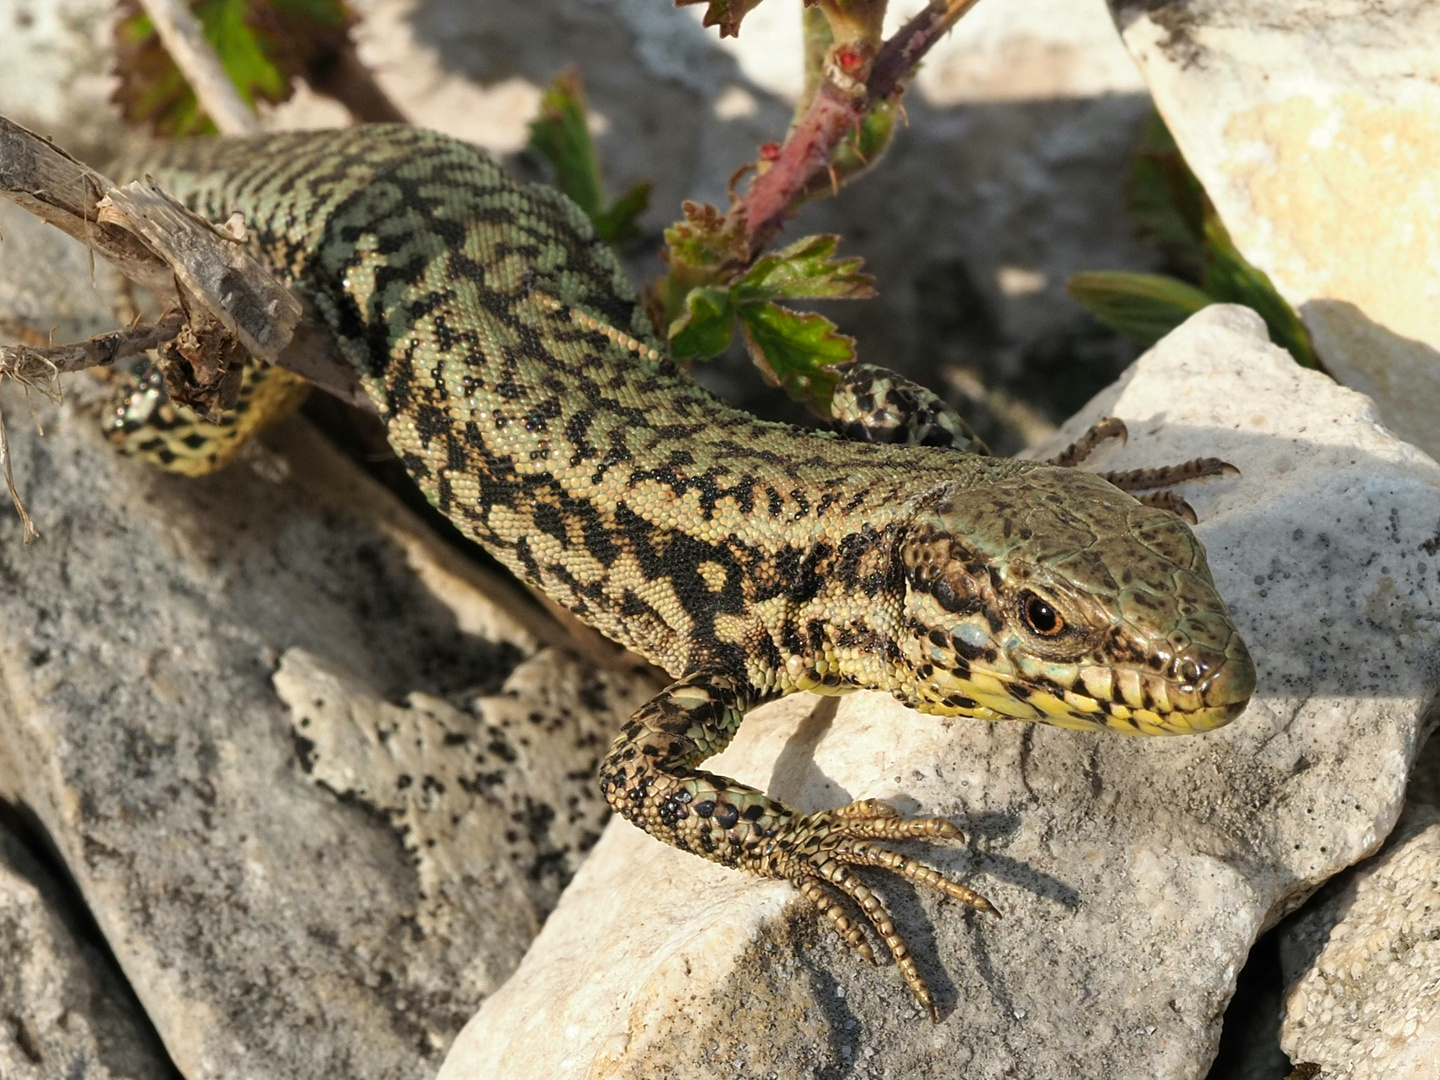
526 394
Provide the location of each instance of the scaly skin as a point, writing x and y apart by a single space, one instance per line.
525 393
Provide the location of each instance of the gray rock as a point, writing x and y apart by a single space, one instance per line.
494 802
274 927
53 59
1134 874
1315 128
64 1009
1361 960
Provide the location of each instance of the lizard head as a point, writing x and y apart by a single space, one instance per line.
1051 595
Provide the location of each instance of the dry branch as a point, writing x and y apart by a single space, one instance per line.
221 302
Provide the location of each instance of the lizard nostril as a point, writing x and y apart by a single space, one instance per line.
1190 671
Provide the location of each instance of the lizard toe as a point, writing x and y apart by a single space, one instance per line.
825 846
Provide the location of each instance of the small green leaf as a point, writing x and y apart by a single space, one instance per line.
796 350
1232 279
620 221
241 53
560 136
1167 201
1145 306
805 270
705 327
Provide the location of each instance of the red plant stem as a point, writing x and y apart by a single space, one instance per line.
898 56
806 150
831 115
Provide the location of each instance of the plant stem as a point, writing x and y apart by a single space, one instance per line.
839 104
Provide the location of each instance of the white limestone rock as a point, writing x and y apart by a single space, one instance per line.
1134 874
494 802
270 927
1315 128
1362 961
64 1009
53 60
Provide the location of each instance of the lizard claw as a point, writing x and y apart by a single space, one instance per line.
817 856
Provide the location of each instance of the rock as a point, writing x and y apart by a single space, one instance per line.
1361 959
65 1011
1315 128
495 802
53 60
274 926
1134 874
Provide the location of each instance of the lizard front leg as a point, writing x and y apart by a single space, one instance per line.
1151 481
650 778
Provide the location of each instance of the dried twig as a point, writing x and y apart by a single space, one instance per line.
184 39
209 266
38 366
223 302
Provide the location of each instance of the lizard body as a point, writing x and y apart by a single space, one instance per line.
527 396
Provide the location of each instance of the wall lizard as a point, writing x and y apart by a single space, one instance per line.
525 393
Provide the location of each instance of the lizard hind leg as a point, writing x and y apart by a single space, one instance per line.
650 778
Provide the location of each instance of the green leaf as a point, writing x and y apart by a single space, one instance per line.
1230 278
1167 201
805 270
1145 306
241 53
1171 207
796 350
620 222
705 327
559 135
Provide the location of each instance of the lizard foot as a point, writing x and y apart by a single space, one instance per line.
1144 480
817 852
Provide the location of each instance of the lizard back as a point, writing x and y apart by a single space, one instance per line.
525 391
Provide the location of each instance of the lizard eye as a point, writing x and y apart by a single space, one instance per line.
1040 617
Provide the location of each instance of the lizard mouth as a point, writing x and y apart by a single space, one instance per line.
1199 689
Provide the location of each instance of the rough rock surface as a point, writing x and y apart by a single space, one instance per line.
1315 127
64 1009
495 801
274 926
1363 959
1134 874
